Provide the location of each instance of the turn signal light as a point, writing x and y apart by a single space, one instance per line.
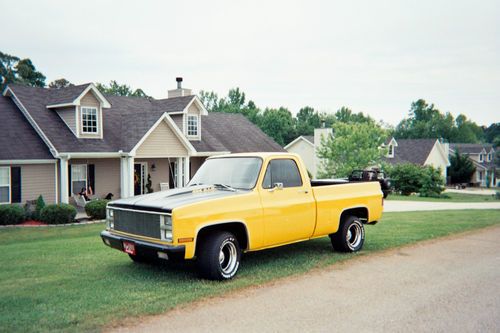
185 240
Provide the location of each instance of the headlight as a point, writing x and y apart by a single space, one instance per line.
110 218
166 227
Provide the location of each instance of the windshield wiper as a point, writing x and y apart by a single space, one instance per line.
227 187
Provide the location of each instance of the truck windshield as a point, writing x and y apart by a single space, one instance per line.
235 172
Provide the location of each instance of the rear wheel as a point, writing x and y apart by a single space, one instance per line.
218 256
351 235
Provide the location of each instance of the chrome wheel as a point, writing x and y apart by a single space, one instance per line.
228 258
354 235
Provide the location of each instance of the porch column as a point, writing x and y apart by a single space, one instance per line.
186 170
123 177
63 181
130 178
178 181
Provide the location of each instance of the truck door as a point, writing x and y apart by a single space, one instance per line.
288 203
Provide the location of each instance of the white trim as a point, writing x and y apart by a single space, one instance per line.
209 153
197 135
73 178
32 122
55 184
296 140
173 127
77 122
9 185
200 105
97 120
91 155
62 105
146 173
16 162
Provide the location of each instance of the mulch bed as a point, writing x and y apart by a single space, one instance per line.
33 222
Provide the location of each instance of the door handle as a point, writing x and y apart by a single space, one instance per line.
303 191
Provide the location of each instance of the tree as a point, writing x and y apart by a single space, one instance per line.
22 71
278 124
307 120
345 115
492 134
425 121
461 168
60 83
116 89
354 146
210 100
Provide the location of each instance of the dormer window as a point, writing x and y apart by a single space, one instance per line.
481 157
193 125
89 120
489 157
391 151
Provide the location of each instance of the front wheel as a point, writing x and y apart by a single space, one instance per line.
219 256
351 235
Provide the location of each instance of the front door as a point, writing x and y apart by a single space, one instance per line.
288 204
140 177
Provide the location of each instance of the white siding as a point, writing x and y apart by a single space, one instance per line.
306 152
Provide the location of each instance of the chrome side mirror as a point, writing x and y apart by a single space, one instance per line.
276 186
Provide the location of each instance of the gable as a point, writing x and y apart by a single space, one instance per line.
162 142
89 100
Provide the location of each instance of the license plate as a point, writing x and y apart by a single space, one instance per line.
129 248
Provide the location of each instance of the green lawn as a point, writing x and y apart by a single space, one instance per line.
64 279
453 197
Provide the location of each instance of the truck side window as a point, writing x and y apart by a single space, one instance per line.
282 171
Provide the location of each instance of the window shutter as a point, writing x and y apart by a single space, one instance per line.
15 181
91 176
69 180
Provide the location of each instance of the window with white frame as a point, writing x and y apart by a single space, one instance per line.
489 157
192 125
89 120
390 152
480 157
78 177
4 185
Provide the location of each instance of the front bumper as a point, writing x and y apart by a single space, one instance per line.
143 248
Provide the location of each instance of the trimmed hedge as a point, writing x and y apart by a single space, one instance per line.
58 214
96 209
11 214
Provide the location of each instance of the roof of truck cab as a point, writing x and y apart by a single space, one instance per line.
263 155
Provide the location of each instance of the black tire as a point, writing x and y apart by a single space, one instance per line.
351 235
218 256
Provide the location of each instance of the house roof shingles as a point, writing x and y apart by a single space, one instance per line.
19 139
129 119
413 151
471 148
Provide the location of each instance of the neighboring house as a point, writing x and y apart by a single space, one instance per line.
307 147
483 158
54 142
418 151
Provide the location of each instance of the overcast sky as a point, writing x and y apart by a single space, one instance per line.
372 56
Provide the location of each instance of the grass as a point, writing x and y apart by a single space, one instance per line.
453 197
65 280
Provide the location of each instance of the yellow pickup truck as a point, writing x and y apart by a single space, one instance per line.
238 203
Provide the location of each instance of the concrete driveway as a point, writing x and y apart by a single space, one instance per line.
408 206
445 285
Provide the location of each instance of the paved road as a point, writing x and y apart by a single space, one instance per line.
407 206
448 285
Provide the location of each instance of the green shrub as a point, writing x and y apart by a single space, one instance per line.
432 182
497 195
410 178
58 214
11 214
40 203
96 209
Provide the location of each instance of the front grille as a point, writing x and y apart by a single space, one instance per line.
137 223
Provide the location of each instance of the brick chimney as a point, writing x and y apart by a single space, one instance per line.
179 92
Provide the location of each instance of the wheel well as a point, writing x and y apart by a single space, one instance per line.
238 229
360 212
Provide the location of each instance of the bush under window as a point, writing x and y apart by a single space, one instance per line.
96 209
58 214
410 178
11 214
